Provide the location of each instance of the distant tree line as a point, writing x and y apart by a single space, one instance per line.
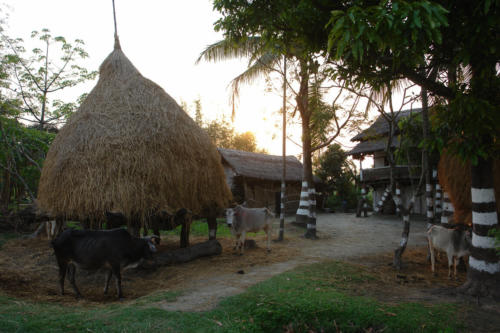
222 132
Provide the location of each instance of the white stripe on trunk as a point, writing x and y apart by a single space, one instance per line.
311 226
482 195
484 266
304 203
403 242
302 211
304 194
484 218
304 184
212 232
483 242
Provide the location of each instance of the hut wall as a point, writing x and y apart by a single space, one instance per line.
378 160
262 193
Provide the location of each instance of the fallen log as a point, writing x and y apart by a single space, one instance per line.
208 248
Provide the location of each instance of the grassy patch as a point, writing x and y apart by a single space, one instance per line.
316 297
200 228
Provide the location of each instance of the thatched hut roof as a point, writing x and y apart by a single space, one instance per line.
263 166
130 147
374 138
380 127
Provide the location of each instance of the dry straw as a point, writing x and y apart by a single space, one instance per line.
130 147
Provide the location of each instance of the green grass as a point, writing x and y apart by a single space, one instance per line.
316 297
200 228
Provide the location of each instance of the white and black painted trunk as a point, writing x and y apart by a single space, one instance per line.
397 200
483 276
438 202
362 204
380 204
406 229
311 223
302 216
282 212
448 209
429 202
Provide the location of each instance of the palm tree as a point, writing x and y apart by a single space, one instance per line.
262 62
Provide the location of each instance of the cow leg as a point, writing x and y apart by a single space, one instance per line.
63 266
106 281
450 263
118 280
212 225
242 243
455 261
268 231
71 276
433 257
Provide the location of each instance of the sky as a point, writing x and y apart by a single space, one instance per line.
163 39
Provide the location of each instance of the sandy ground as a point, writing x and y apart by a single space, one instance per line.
340 237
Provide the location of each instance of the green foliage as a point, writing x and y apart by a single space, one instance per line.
35 76
409 152
336 172
386 40
496 233
312 298
22 152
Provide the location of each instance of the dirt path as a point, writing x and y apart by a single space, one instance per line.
341 237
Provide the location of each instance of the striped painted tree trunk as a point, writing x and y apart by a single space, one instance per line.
438 202
381 202
311 222
397 200
448 209
429 202
362 204
282 212
483 276
406 228
302 215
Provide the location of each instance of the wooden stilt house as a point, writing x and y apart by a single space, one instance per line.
373 143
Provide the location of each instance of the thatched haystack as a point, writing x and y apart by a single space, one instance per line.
130 147
455 178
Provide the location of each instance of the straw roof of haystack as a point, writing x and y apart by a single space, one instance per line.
130 147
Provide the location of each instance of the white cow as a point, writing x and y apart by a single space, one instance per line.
242 220
454 242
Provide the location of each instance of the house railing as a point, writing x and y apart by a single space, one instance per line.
382 174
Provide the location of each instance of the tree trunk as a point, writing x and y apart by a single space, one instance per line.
208 248
483 277
425 160
283 174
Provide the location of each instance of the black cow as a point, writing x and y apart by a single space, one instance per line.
94 249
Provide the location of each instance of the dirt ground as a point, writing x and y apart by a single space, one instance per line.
28 268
